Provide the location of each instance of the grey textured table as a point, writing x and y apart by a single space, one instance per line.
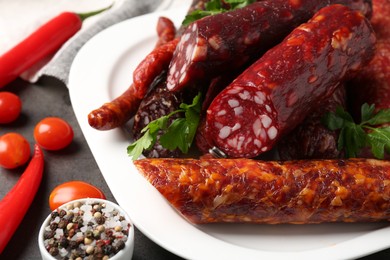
50 98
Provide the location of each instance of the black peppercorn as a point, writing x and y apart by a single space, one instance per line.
53 225
62 213
108 249
54 214
119 245
63 242
49 234
53 251
73 244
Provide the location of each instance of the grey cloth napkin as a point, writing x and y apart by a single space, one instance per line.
60 65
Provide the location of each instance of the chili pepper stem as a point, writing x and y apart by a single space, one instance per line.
84 16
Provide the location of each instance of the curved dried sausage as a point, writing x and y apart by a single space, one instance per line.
298 192
278 91
154 64
116 112
166 31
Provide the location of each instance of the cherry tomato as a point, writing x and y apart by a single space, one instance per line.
14 150
10 107
53 133
73 190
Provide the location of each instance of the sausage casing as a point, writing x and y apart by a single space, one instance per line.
278 91
225 42
298 192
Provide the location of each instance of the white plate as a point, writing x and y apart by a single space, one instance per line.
101 71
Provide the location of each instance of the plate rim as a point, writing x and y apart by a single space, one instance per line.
75 78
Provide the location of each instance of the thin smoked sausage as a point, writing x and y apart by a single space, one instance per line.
250 191
224 42
278 91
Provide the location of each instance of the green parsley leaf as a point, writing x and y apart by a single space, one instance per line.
379 138
367 111
144 143
179 134
382 117
354 137
215 7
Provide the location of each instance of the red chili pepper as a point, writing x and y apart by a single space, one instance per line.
44 41
15 204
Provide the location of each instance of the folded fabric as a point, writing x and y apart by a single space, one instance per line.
58 66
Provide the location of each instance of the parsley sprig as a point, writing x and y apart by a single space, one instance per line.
369 132
179 134
215 7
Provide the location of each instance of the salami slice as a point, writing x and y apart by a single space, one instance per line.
224 42
298 192
278 91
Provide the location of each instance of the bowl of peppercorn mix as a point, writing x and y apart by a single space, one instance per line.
87 229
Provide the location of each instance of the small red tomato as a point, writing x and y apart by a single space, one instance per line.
53 133
10 107
73 190
14 150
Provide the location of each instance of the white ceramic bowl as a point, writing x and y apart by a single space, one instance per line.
125 254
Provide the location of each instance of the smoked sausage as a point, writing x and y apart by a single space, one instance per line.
152 66
298 192
224 42
116 112
312 139
372 84
278 91
166 30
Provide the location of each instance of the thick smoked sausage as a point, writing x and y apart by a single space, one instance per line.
372 84
278 91
223 42
298 192
312 139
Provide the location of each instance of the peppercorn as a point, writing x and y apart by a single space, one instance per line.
100 220
88 234
90 249
97 207
53 225
96 234
73 244
62 224
49 234
108 249
62 213
119 245
54 214
53 251
63 242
